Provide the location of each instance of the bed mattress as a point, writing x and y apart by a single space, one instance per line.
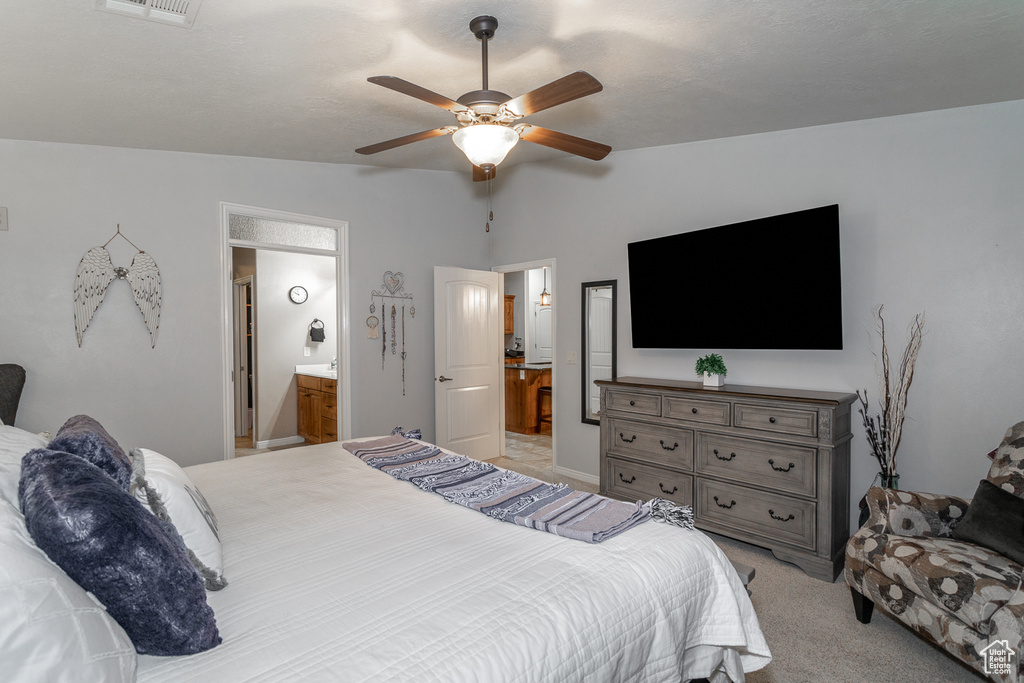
337 571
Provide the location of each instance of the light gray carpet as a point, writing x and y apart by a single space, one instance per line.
814 635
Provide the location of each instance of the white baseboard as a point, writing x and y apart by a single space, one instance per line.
284 441
582 476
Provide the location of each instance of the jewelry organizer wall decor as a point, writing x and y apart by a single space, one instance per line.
392 295
96 272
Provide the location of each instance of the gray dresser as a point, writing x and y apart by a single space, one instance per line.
766 466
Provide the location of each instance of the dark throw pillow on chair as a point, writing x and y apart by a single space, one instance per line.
105 540
85 437
994 519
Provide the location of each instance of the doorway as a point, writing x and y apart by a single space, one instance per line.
264 251
528 415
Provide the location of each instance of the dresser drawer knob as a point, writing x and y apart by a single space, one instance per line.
625 440
723 505
669 448
780 519
627 481
632 403
780 469
772 420
665 490
731 456
693 410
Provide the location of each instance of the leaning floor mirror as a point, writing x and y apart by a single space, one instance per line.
598 338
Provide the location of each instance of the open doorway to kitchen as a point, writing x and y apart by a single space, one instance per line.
286 276
530 385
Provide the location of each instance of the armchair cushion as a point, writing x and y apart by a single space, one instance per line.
995 519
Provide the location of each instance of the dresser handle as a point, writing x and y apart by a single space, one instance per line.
632 403
780 519
693 410
780 469
669 448
625 440
722 505
629 481
664 490
731 456
772 420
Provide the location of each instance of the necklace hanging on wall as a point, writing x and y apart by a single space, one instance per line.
96 272
392 291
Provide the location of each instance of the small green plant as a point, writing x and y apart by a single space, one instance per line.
711 364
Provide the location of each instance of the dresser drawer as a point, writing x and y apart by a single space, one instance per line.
780 420
329 406
643 482
329 385
696 410
654 443
629 402
778 466
774 516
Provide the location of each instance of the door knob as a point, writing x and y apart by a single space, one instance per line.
442 378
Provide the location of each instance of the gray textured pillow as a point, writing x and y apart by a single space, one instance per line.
995 520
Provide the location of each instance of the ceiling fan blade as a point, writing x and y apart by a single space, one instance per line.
565 89
480 174
566 143
407 139
413 90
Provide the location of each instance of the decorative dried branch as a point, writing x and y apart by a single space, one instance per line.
885 430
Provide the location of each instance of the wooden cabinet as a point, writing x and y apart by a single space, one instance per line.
510 314
522 399
318 408
766 466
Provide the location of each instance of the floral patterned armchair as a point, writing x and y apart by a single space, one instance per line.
962 596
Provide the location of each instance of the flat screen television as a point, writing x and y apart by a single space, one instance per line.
770 283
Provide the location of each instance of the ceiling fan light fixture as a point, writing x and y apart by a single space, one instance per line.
485 144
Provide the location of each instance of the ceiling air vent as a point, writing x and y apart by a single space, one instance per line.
177 12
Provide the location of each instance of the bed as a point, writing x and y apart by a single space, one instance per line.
337 571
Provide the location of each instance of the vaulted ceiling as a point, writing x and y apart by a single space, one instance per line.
287 78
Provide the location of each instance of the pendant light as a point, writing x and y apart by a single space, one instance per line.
545 296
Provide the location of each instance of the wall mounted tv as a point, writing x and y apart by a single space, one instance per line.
770 283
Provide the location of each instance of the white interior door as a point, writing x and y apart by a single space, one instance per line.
542 315
468 379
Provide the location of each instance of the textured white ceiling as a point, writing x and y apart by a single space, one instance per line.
287 78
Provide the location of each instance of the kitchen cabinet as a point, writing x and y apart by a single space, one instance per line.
522 398
317 408
510 314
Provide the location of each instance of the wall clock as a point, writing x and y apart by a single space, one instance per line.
298 294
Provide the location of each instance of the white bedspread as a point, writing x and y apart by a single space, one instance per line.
338 572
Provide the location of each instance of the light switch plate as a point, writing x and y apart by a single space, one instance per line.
3 218
305 350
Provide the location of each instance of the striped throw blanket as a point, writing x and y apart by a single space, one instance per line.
501 494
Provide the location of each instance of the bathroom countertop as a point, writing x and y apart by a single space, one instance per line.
322 370
529 366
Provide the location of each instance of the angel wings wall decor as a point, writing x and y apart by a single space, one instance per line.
96 272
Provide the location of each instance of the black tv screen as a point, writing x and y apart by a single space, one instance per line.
770 283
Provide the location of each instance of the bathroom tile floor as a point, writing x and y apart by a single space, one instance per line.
530 454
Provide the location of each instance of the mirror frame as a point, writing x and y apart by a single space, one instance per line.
588 417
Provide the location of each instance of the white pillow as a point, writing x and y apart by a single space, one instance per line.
14 444
178 501
50 628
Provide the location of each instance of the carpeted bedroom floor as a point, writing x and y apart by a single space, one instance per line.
809 624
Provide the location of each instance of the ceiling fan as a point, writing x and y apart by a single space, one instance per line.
488 126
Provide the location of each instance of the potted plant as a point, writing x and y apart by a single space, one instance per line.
712 367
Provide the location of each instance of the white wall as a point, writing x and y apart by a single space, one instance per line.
282 333
64 199
932 210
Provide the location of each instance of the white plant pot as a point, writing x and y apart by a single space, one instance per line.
713 380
